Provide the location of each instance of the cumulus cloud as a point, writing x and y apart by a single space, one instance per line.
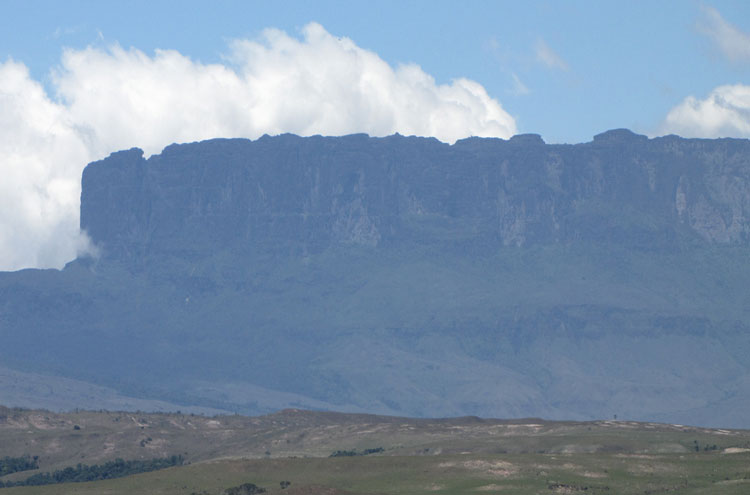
115 98
730 40
548 57
41 153
725 112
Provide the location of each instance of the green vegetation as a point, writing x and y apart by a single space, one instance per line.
352 453
244 489
10 465
114 469
513 474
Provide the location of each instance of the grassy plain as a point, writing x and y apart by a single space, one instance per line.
420 456
444 474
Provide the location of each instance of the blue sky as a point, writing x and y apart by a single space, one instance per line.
81 79
628 63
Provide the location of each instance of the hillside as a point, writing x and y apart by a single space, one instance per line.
406 276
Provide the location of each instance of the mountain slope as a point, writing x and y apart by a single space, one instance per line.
406 276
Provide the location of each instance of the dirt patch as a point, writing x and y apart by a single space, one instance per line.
177 425
670 448
653 468
524 429
501 469
734 450
635 456
490 488
53 447
109 447
42 422
580 449
592 474
315 490
17 423
157 446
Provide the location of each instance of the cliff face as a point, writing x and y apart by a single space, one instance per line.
406 276
291 193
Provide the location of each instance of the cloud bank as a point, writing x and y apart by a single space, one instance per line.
41 157
110 99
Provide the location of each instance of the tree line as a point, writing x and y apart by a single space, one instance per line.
352 453
10 465
82 472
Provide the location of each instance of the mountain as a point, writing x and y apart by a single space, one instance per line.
402 275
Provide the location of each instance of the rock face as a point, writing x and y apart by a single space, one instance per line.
309 193
407 276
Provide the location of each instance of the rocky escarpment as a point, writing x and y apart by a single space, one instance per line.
303 194
406 276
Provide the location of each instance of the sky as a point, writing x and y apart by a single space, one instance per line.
81 79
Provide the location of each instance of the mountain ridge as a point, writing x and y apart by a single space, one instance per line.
406 276
399 168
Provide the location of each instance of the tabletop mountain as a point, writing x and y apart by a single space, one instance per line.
402 275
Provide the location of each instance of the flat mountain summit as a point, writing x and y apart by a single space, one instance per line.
302 195
405 276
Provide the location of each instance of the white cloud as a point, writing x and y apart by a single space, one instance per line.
111 99
733 43
725 112
41 155
548 57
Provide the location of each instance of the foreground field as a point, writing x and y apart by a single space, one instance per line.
447 474
452 456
